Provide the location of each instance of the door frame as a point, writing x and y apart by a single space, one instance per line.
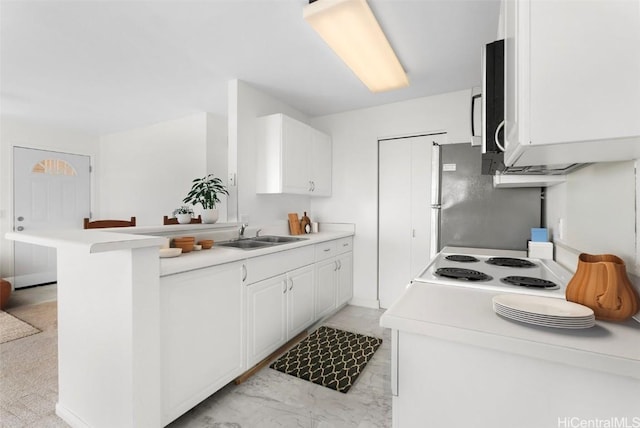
19 135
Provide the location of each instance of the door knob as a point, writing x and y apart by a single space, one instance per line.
20 228
20 218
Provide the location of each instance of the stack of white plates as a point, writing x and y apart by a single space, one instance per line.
544 311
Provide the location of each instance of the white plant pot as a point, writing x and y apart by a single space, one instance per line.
183 218
210 215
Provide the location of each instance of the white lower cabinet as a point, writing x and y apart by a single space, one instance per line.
217 322
278 308
300 311
325 287
344 278
202 335
334 275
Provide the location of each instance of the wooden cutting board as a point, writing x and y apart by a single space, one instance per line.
294 224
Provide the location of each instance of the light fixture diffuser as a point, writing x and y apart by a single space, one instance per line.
352 31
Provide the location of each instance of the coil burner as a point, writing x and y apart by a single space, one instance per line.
510 262
461 258
463 274
526 281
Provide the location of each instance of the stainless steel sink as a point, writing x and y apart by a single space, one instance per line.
259 242
245 244
276 239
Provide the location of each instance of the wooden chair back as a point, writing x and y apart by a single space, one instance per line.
166 220
99 224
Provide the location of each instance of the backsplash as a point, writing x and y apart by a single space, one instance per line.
594 212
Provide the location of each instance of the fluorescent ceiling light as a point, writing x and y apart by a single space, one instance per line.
351 30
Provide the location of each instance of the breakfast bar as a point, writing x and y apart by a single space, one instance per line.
126 317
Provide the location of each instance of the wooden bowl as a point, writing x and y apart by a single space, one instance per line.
206 243
184 238
185 242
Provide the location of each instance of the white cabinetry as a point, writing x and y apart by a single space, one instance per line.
344 278
278 309
572 86
266 318
334 275
292 157
280 306
300 300
201 320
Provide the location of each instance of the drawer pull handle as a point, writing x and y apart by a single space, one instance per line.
327 250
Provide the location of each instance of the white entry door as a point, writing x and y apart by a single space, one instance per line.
404 212
52 190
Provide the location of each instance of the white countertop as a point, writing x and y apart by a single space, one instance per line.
94 240
466 315
101 240
219 255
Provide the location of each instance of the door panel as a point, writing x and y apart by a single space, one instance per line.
300 300
51 191
404 212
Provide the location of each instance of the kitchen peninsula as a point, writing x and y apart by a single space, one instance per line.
451 349
132 347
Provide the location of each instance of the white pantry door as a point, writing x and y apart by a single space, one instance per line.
51 190
404 212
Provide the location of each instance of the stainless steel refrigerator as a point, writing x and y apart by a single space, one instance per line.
467 211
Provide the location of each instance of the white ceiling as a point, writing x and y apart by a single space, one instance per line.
107 66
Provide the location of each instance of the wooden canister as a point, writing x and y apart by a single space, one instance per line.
601 283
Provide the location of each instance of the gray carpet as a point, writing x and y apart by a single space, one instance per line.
12 328
29 375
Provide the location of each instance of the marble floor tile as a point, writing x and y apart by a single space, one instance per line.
274 399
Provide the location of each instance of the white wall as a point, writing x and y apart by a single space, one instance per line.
19 133
217 153
598 208
247 103
146 172
355 168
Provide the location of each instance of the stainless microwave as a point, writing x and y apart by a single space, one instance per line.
493 107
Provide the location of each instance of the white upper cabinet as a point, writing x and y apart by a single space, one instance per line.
572 72
292 157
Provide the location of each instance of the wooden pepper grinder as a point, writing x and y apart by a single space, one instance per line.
305 223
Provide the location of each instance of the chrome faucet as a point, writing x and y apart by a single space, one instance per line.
242 228
258 232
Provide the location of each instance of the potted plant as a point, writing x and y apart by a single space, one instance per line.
205 191
183 214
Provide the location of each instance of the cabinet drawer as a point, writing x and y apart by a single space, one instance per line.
344 245
263 267
324 250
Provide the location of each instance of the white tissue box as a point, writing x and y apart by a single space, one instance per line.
541 250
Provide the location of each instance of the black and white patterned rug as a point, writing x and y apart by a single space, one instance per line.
329 357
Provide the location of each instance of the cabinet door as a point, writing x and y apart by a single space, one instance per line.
577 95
320 162
296 143
201 319
325 287
300 300
345 278
266 318
563 103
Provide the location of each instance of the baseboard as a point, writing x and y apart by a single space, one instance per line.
365 303
69 417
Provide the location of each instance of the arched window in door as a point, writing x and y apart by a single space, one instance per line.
54 167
